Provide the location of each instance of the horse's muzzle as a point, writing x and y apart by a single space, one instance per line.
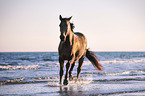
62 37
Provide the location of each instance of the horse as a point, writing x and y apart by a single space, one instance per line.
73 47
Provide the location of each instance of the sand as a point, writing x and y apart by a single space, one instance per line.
83 88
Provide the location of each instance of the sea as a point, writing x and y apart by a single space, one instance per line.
37 73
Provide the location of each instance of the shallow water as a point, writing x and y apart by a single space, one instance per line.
35 73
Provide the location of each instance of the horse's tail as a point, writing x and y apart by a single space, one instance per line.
94 60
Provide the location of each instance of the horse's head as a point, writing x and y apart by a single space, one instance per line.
64 27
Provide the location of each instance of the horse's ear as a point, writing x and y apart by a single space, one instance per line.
69 18
60 17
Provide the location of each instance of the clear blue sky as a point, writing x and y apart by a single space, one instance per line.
109 25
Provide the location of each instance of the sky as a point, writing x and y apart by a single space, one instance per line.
109 25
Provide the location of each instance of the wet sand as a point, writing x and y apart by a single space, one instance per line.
80 88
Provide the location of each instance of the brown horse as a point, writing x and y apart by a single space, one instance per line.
73 47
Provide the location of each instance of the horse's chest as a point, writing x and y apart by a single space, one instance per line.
65 51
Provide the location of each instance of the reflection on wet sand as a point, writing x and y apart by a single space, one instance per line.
71 90
100 88
75 87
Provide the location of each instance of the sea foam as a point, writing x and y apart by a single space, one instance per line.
20 67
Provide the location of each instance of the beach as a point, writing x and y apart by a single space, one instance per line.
95 88
37 73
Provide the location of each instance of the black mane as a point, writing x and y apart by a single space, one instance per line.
72 26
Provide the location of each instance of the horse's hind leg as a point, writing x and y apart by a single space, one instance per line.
61 62
70 71
80 66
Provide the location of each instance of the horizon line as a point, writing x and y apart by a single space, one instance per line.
57 51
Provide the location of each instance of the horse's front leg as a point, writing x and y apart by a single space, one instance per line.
61 62
70 71
67 68
66 75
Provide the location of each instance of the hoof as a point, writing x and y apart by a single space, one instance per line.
60 83
71 78
65 82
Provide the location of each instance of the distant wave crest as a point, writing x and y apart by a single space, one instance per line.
19 67
123 61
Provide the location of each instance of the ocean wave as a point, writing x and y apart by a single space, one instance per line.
27 59
42 79
19 67
117 61
48 59
85 78
50 64
121 79
11 81
126 73
123 61
29 80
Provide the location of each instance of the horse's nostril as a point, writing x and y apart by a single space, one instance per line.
62 38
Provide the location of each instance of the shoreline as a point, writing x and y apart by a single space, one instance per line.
85 88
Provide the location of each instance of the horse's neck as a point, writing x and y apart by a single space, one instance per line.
70 38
